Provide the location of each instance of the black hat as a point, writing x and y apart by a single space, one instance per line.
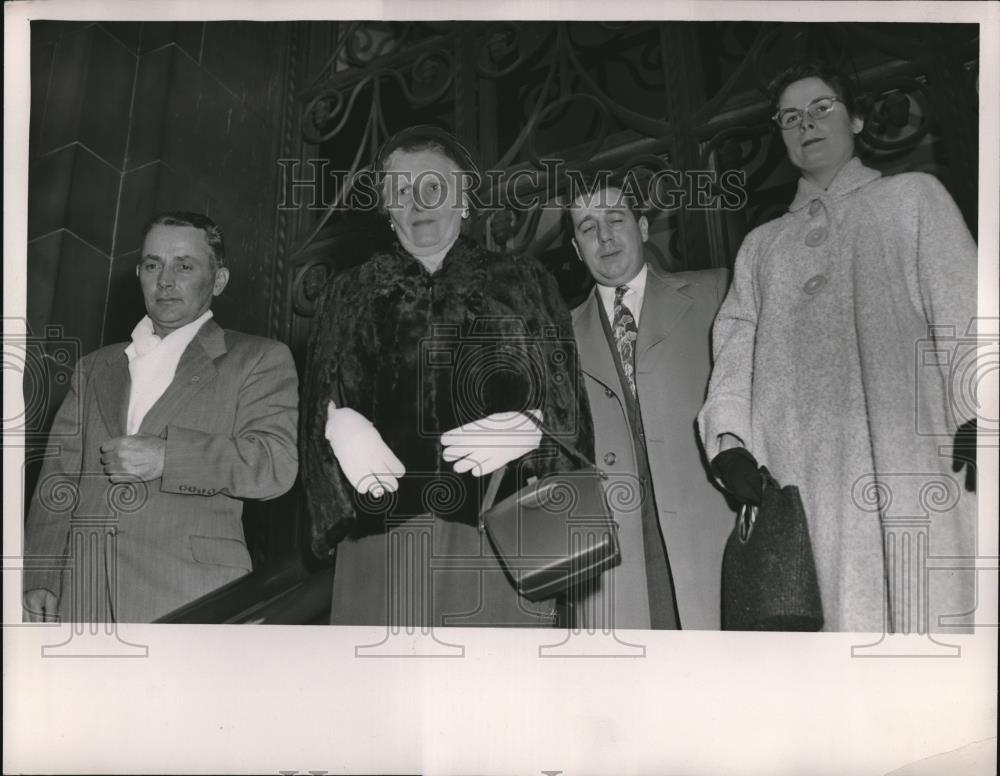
419 134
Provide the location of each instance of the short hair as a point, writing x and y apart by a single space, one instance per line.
841 83
423 137
213 234
626 182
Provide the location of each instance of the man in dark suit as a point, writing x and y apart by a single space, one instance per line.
644 348
156 444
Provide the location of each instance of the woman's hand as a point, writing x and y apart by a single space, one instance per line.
485 445
739 473
366 460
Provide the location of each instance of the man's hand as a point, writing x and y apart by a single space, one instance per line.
131 458
737 470
485 445
364 457
964 453
40 605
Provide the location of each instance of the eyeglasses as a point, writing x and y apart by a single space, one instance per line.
818 109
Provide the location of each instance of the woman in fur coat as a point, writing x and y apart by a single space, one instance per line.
835 366
426 367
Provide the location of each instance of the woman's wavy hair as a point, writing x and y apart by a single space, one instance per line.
842 84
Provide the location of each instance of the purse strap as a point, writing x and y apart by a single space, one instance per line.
497 477
747 518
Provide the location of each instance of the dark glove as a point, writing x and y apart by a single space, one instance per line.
739 474
964 453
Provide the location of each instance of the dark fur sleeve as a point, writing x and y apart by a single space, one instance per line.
566 409
329 496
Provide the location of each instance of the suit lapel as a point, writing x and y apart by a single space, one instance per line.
595 352
195 370
112 387
663 306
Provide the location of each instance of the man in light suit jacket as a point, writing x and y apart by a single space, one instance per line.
138 506
644 347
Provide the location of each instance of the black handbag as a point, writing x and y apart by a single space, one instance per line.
768 571
555 532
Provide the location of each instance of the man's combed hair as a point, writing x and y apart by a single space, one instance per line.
841 83
213 234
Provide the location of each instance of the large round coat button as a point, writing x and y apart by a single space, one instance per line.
610 458
816 237
609 393
814 207
814 284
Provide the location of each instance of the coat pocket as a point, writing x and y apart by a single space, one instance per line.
220 552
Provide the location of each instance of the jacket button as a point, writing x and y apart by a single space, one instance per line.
816 237
609 393
610 458
814 207
814 284
195 379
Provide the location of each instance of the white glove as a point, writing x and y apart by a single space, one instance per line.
485 445
368 463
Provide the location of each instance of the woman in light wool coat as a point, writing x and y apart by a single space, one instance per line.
842 356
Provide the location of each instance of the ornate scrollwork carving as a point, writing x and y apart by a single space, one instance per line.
571 71
558 106
364 43
510 229
504 50
424 82
587 93
501 226
359 44
433 74
899 115
308 287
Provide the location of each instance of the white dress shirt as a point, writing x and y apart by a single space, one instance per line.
632 299
152 363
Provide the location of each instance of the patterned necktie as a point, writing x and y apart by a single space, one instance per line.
626 333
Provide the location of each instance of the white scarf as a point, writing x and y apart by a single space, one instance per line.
152 363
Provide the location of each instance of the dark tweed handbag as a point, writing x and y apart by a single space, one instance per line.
768 572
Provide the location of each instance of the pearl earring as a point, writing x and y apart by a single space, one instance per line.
392 225
465 213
